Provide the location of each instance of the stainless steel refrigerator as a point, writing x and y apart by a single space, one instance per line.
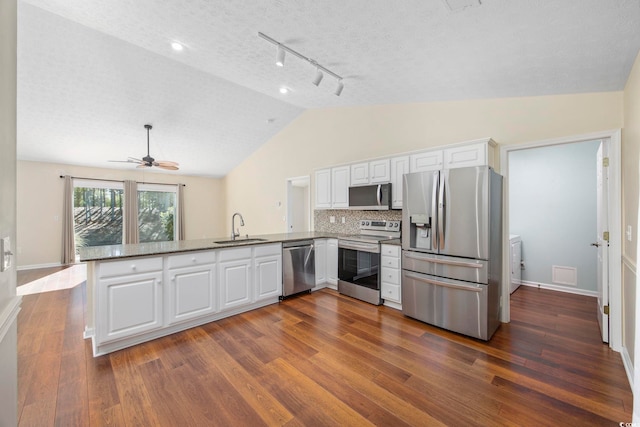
452 249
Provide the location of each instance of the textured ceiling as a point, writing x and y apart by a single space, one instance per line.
92 73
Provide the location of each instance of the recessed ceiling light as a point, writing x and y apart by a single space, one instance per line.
177 46
284 90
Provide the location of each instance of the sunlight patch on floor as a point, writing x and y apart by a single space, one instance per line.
64 279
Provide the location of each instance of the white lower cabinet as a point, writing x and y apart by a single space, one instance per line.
390 275
138 299
320 259
332 263
192 286
267 263
130 295
235 277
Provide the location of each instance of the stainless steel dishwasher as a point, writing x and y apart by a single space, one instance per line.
298 267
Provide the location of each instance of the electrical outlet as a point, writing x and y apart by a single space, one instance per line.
343 220
629 233
332 219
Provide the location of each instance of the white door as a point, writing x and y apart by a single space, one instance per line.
602 245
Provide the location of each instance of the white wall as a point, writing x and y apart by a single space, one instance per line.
9 302
325 137
39 202
552 206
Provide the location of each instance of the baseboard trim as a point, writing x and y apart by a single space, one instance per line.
36 266
560 288
9 315
628 365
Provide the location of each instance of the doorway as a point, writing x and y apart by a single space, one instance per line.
509 154
298 204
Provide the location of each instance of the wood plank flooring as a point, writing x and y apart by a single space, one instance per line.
325 359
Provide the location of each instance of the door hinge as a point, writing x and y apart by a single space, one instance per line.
606 310
605 236
605 162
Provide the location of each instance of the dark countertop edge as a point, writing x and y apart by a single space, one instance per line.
395 242
113 252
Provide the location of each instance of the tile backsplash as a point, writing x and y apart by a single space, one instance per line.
322 219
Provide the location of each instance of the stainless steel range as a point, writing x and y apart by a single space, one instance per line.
359 259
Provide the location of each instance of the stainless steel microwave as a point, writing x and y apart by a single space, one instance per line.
370 197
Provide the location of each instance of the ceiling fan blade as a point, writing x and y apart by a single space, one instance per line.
165 163
143 165
122 161
168 167
133 159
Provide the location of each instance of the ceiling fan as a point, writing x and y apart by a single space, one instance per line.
148 161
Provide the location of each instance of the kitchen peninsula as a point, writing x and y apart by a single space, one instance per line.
139 292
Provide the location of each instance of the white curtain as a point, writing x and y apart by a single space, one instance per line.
68 240
130 212
180 214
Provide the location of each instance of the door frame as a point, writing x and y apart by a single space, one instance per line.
295 181
615 223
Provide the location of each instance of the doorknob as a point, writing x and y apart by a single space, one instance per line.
596 244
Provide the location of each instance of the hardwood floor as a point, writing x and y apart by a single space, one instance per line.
324 359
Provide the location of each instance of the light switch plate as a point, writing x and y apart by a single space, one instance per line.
5 252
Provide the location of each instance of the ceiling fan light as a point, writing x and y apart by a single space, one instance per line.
339 88
280 57
318 78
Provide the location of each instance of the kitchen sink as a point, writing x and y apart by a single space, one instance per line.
228 242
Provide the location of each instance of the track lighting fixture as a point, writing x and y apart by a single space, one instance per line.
318 78
280 57
320 70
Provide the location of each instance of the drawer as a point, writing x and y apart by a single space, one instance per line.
265 250
390 292
390 262
191 258
390 275
130 266
234 254
390 250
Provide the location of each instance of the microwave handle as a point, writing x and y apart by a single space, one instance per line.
379 194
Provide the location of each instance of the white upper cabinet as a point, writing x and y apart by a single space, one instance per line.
360 174
426 161
379 171
340 187
374 172
478 154
323 189
399 166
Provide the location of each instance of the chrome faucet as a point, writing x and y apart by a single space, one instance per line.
235 233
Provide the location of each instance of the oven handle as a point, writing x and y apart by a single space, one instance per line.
443 261
356 246
439 283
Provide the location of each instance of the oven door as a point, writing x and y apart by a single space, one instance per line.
358 268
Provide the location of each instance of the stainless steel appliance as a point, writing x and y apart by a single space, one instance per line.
452 249
359 259
370 197
298 267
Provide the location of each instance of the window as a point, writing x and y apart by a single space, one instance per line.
97 212
157 212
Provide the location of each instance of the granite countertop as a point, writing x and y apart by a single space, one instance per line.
101 253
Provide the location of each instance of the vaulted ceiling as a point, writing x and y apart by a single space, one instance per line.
92 73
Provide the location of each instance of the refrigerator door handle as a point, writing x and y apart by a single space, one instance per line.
443 261
441 213
434 206
439 283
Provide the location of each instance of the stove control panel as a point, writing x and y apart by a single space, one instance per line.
380 225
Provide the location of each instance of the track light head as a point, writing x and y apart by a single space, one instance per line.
280 57
339 88
318 78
